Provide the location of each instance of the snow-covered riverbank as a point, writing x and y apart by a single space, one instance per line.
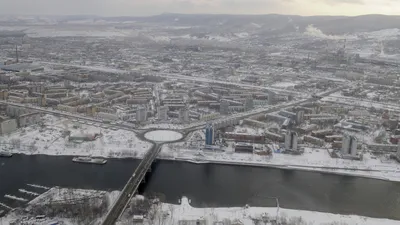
171 214
312 160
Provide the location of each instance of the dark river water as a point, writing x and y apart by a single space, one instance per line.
209 185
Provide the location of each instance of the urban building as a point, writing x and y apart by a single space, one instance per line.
243 137
271 98
224 108
249 104
274 136
184 115
398 151
15 111
141 115
291 141
244 147
163 113
314 140
299 117
349 145
209 135
107 116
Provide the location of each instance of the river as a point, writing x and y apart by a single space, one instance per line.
209 185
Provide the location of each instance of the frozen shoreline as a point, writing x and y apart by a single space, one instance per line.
166 213
286 167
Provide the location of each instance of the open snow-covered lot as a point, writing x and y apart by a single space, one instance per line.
59 136
178 214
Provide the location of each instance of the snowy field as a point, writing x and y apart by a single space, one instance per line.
163 135
49 140
170 214
317 160
247 215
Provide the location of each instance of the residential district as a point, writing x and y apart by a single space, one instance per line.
297 104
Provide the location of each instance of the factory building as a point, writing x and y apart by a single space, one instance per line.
209 135
141 115
291 141
349 145
163 113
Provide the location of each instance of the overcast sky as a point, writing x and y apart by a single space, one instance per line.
152 7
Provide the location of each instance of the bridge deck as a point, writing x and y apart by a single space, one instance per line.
131 186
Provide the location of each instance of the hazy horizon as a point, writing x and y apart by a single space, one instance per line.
243 7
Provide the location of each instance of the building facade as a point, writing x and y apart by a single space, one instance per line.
209 135
163 113
224 108
291 141
141 115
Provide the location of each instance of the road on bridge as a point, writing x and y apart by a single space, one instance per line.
131 186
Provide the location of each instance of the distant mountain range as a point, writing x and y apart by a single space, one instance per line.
328 24
269 22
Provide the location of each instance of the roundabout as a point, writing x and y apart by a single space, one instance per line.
163 136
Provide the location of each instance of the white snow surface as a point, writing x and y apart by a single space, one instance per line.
163 135
170 214
49 140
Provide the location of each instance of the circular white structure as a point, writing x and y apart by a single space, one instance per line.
163 135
